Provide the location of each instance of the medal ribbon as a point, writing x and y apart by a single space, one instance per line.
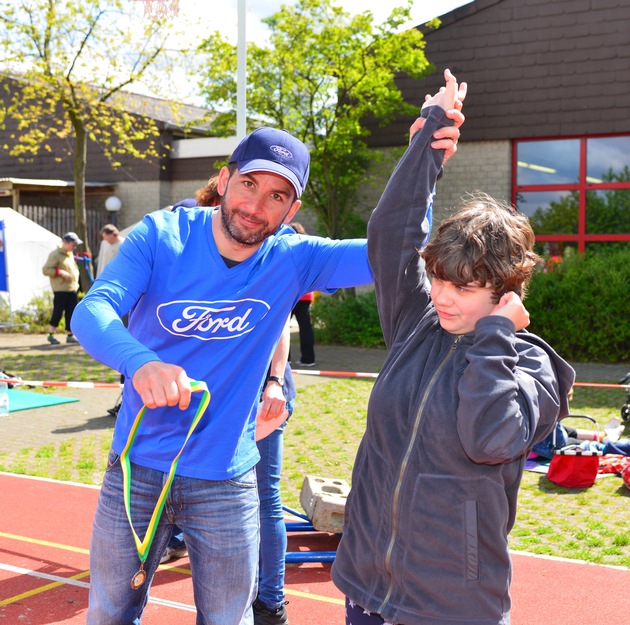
143 546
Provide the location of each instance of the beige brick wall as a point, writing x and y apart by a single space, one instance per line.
482 165
477 166
140 198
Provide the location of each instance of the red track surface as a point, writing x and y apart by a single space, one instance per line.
44 571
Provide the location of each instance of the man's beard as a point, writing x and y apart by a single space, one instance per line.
242 236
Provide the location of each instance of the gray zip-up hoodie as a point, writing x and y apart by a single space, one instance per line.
451 420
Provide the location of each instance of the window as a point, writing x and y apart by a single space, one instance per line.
575 191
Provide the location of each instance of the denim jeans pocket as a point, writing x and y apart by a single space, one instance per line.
112 460
246 480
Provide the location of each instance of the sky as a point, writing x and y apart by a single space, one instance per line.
422 11
199 18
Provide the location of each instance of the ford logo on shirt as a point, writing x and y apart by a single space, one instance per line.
223 319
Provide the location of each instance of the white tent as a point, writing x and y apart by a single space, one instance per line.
27 247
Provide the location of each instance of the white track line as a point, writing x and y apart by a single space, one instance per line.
73 582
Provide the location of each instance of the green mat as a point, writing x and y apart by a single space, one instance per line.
26 400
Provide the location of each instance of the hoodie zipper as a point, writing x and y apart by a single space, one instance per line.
403 469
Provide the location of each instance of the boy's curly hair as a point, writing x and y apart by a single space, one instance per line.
485 241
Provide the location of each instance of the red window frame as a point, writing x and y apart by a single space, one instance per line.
582 237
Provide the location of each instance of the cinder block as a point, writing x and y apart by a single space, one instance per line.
329 513
314 486
324 501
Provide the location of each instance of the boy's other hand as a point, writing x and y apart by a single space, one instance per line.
511 306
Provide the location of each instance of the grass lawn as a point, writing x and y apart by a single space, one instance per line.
322 438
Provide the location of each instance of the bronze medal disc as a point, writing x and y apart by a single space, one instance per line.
138 579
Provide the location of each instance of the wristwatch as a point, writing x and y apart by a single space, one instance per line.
275 378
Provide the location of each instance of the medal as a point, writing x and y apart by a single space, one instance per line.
143 546
138 579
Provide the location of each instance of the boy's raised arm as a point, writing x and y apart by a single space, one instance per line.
398 225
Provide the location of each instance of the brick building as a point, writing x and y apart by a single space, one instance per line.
547 115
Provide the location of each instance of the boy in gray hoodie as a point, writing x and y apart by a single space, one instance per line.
464 394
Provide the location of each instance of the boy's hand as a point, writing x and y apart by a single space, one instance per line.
446 97
511 306
446 138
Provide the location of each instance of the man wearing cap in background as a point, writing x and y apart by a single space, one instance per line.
210 290
63 272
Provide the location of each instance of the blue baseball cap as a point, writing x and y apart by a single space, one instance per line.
275 151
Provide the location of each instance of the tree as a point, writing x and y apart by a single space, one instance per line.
72 60
322 76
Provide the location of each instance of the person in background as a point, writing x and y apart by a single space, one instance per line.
269 606
63 272
111 240
302 313
462 397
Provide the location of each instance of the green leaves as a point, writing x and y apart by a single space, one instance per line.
74 60
323 74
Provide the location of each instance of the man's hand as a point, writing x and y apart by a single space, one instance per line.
160 384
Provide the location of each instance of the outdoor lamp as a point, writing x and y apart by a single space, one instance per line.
113 204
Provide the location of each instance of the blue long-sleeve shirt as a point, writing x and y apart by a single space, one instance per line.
220 324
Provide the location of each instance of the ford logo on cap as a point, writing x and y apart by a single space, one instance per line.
280 150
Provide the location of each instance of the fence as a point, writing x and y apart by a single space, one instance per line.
62 220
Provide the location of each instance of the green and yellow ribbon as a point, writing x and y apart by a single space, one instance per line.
143 546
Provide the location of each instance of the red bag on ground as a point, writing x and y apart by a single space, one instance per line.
574 468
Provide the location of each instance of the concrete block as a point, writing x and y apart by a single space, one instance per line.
324 500
329 513
314 486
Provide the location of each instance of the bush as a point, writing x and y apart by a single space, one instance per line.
347 320
33 319
581 308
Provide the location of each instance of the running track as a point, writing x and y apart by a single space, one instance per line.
44 571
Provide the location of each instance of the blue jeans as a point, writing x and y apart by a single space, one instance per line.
220 524
273 533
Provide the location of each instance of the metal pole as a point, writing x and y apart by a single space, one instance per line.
241 73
